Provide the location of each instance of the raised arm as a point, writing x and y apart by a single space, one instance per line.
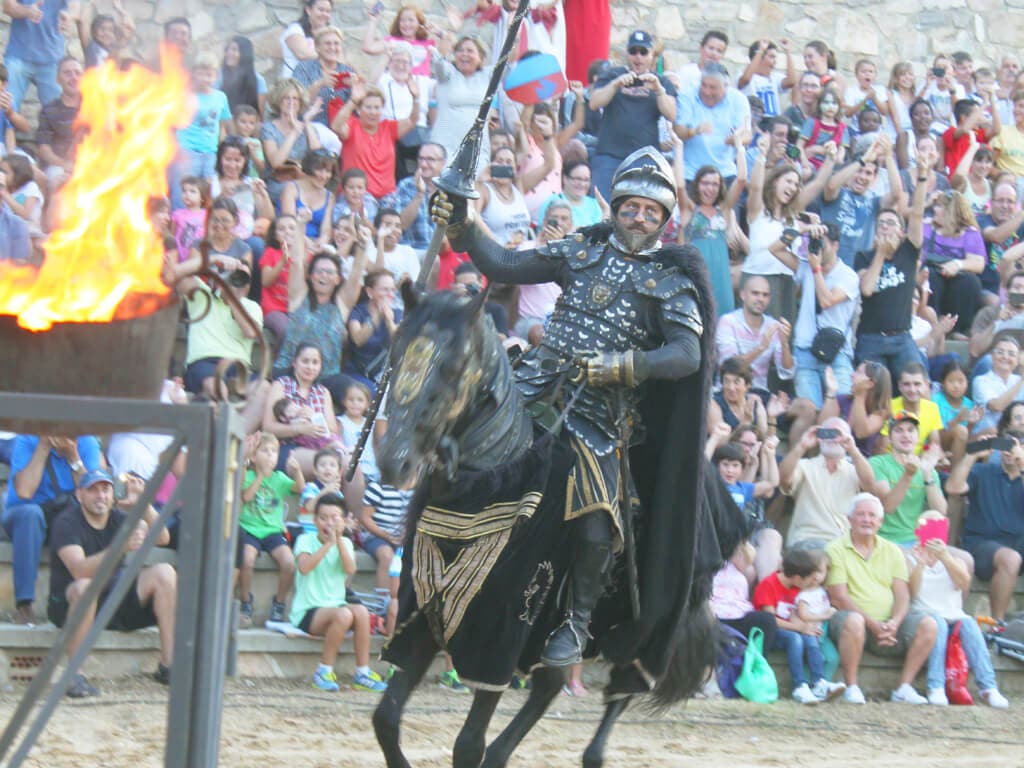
755 189
815 187
915 219
297 288
497 263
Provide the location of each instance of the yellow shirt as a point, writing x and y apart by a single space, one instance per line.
1010 146
929 420
868 582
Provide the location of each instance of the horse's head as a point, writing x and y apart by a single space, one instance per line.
436 371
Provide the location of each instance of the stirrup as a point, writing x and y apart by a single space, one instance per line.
579 636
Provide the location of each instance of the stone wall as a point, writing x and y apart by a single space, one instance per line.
886 30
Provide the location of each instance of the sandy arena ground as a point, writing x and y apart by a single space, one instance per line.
278 723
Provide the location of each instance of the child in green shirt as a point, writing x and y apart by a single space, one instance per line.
325 560
262 525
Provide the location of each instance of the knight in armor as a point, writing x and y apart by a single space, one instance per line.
630 316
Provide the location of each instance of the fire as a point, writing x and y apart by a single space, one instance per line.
104 258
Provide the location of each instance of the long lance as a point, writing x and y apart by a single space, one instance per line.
458 178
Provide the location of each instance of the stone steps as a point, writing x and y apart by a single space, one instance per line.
264 653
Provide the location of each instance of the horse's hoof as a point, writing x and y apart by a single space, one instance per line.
592 761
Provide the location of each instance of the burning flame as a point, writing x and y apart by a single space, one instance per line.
104 258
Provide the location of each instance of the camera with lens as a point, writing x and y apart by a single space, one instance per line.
814 245
238 279
472 289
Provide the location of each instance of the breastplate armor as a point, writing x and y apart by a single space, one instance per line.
608 304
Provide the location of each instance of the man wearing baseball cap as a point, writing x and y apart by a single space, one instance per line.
910 484
80 538
634 98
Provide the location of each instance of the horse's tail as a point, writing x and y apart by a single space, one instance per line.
694 657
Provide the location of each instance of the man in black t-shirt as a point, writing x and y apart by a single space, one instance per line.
888 274
80 537
634 97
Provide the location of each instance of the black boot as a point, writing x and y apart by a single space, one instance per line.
586 583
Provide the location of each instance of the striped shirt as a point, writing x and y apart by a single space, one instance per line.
389 506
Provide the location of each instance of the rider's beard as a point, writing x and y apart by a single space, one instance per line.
636 240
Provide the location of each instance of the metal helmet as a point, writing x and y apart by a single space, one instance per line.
645 173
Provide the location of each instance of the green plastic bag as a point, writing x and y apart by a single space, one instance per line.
757 681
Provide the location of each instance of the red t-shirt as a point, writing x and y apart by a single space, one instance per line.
771 594
956 148
275 296
448 261
375 155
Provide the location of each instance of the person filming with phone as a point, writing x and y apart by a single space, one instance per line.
823 487
994 524
938 582
633 97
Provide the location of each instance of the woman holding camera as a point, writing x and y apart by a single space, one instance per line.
775 201
954 252
220 332
501 205
326 77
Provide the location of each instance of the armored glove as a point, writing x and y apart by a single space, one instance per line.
449 210
610 368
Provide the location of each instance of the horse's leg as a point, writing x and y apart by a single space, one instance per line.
472 739
388 715
593 756
547 682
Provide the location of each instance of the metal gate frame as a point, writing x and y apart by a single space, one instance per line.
209 492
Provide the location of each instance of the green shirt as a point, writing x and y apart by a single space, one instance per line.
898 525
322 587
868 582
264 515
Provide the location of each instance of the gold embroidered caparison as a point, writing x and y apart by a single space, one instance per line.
450 587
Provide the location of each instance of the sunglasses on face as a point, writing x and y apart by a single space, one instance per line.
639 51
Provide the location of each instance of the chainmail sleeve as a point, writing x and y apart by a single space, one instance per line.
501 264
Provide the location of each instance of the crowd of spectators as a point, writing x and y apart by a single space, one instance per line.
861 235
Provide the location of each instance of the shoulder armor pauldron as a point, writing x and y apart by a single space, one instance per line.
574 250
661 281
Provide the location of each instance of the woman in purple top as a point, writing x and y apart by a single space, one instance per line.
954 253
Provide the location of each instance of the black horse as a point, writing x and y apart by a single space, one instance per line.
487 542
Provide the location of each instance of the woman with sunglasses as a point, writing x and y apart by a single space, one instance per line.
320 300
955 254
576 182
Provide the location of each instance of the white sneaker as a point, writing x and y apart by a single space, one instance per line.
826 691
995 699
906 694
937 697
803 695
854 695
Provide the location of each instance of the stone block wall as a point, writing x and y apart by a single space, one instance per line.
885 30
